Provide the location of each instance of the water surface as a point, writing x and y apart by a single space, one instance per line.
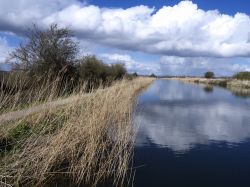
190 135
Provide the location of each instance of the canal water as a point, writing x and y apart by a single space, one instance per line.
191 136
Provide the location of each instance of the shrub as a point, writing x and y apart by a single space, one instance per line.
95 72
51 51
117 71
209 75
92 69
134 74
152 75
242 75
128 76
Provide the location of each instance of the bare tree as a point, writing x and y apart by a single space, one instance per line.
52 50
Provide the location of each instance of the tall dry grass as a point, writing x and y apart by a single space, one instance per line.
18 90
87 141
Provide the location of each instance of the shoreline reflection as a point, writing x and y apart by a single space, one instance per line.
182 116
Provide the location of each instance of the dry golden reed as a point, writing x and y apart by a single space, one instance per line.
88 140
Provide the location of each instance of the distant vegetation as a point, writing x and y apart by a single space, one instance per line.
95 73
152 75
242 75
209 75
135 74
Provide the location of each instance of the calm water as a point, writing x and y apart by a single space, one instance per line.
192 136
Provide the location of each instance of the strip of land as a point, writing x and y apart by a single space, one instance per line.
226 82
238 87
86 139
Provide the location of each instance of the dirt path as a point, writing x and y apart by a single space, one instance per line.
35 109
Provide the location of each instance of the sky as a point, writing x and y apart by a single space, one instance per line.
164 37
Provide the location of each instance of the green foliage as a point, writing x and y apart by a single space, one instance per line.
95 72
209 75
21 131
242 75
117 71
15 138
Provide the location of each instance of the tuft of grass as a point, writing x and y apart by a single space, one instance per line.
87 141
21 131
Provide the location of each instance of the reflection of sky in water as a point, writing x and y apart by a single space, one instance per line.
179 116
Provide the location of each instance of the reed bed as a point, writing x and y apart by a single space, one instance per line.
18 90
86 141
224 82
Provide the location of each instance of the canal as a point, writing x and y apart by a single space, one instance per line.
191 135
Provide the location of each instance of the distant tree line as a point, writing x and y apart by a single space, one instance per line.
245 75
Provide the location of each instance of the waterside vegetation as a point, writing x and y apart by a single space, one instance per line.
64 116
86 141
239 84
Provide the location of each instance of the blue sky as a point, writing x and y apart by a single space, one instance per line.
165 37
230 7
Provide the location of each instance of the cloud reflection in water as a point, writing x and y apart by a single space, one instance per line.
182 116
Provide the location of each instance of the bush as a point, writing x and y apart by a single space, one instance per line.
47 52
95 72
242 75
92 69
152 75
117 71
135 74
209 75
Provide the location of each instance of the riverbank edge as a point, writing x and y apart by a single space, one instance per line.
35 163
229 83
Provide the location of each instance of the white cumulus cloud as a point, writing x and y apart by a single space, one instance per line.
131 64
5 49
199 65
182 30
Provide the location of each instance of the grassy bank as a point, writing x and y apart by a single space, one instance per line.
87 140
230 83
